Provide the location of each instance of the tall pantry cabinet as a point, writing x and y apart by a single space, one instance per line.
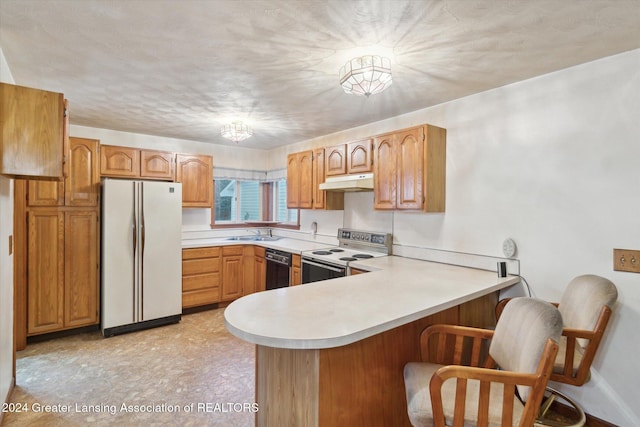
57 246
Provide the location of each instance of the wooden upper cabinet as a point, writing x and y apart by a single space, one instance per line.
409 169
195 172
352 158
32 132
306 180
293 181
119 162
318 178
300 180
359 156
45 193
336 160
328 200
384 175
157 164
82 185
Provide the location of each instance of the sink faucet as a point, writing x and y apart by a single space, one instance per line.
256 232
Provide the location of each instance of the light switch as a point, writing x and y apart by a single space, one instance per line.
626 260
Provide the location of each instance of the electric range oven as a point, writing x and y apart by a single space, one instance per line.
334 262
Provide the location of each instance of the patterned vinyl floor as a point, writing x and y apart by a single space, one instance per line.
190 374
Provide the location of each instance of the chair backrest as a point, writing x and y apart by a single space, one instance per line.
521 335
583 299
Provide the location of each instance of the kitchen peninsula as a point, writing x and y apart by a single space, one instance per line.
332 352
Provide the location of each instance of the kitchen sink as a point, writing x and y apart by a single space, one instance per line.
255 238
266 238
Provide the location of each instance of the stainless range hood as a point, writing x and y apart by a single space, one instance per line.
361 182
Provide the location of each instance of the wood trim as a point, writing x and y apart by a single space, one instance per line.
20 265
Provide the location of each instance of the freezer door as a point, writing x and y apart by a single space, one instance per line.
161 249
118 253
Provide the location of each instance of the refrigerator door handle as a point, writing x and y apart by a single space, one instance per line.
142 238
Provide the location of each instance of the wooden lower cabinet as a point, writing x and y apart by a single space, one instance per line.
254 270
200 276
81 255
354 271
221 273
45 271
232 272
296 270
62 270
259 270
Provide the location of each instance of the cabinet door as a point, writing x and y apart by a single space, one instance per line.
306 179
45 266
336 160
231 277
81 289
260 273
318 178
296 270
157 164
293 181
45 193
384 175
82 185
119 161
248 269
31 132
195 172
410 169
359 156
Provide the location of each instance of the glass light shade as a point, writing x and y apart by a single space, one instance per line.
366 75
236 131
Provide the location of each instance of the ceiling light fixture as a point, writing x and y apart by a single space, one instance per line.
236 131
366 75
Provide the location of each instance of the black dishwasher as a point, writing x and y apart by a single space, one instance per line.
278 268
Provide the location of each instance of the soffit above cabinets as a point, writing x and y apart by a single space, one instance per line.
183 69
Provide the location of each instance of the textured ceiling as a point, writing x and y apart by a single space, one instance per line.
182 69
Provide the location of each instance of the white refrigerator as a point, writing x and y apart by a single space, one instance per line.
141 255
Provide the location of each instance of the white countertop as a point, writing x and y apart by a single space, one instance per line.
294 246
341 311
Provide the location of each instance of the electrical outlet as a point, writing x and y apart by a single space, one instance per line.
626 260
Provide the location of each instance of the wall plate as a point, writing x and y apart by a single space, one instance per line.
509 248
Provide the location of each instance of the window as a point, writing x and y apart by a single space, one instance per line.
237 201
282 214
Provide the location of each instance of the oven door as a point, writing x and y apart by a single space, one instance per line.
314 271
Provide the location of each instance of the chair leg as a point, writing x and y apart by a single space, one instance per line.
544 408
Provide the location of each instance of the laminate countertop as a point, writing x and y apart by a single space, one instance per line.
341 311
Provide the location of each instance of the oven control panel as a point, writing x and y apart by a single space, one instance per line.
363 236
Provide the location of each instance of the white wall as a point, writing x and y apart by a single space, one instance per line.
6 269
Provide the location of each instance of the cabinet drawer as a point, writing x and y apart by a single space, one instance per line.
209 252
258 251
200 265
200 281
232 250
295 261
200 297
